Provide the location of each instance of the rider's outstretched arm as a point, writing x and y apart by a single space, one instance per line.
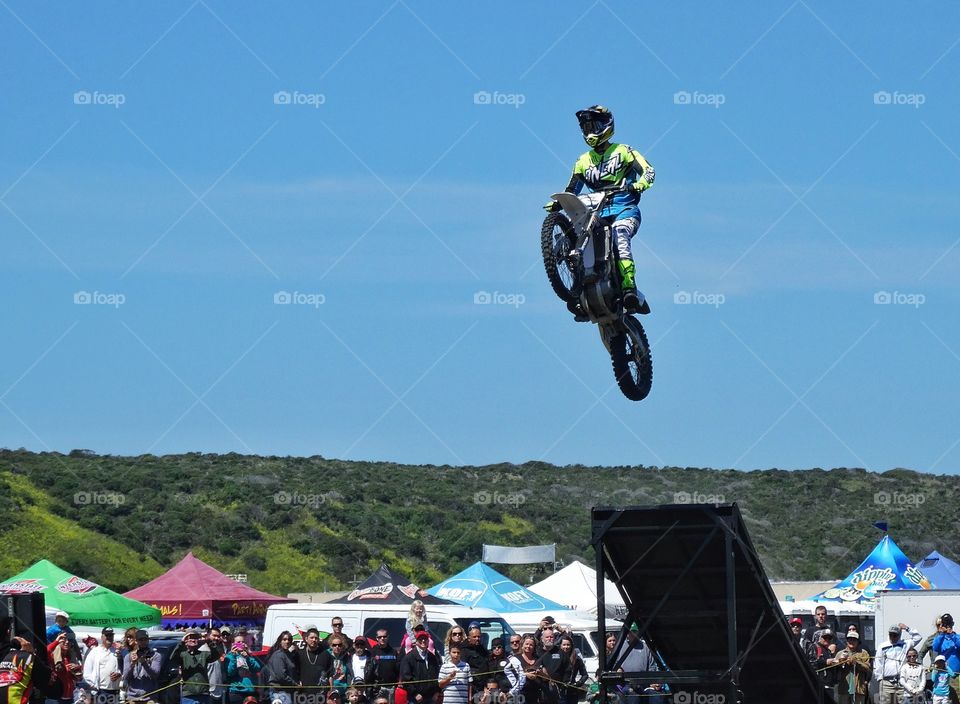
643 172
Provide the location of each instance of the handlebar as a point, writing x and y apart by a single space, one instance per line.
614 187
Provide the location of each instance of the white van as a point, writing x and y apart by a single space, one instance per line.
367 619
583 627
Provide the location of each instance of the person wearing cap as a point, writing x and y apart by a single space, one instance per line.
890 658
854 666
947 644
419 672
796 624
194 666
61 621
361 663
826 649
141 670
912 679
635 656
943 678
101 669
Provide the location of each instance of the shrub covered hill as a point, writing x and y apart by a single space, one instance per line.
312 524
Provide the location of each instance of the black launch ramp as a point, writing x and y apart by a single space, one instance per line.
694 586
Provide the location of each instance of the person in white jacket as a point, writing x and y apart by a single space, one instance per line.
912 679
101 668
890 658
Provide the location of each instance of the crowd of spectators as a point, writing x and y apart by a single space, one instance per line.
216 666
846 669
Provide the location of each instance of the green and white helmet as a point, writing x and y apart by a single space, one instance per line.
596 123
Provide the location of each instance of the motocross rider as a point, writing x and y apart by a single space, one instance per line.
605 164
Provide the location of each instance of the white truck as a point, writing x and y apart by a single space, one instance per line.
918 608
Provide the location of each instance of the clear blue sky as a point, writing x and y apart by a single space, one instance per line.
146 160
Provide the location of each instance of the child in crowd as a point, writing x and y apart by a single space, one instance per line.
940 677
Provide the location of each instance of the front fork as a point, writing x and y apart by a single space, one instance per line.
610 330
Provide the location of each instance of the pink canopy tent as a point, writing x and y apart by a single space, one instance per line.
192 590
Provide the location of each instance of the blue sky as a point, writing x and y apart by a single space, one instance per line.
807 157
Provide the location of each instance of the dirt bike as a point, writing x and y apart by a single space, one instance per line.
581 263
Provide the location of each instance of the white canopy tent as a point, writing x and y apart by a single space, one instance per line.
575 586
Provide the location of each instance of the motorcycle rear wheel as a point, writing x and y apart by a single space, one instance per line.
556 240
632 363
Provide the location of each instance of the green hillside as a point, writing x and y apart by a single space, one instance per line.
311 524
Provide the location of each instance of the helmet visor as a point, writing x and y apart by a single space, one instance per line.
593 123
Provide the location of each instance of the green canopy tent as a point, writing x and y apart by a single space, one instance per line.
88 604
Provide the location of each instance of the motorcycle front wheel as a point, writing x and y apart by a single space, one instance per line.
556 240
632 363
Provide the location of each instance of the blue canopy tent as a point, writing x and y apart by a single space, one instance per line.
942 571
480 585
886 567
